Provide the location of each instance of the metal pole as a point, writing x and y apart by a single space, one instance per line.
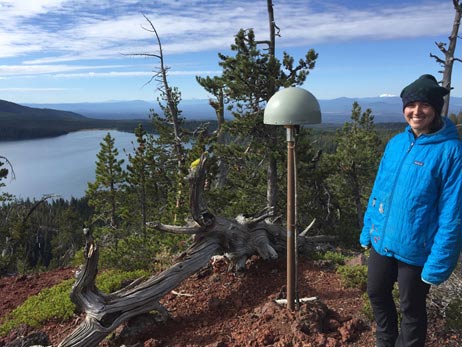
290 219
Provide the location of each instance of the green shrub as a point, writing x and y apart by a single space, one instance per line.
353 276
445 301
50 303
55 303
110 281
137 252
336 258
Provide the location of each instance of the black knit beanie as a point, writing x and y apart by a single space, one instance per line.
425 89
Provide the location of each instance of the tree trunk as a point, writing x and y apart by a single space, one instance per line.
449 56
272 170
357 195
219 107
449 59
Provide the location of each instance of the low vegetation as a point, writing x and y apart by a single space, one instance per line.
353 276
445 300
54 303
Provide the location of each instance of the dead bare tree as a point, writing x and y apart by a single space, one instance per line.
171 96
166 91
237 239
448 61
272 173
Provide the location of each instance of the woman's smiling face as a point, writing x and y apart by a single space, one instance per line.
420 116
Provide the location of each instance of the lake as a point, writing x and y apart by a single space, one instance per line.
60 165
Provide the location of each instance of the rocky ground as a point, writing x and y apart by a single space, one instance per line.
217 308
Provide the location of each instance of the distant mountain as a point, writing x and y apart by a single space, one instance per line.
24 113
18 122
384 109
134 109
197 109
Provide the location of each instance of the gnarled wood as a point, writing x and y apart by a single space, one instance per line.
104 313
238 239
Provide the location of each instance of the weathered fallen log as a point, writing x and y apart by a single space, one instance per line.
238 239
104 313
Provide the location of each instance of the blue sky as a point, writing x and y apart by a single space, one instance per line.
54 51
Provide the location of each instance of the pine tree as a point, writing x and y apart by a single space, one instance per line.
105 192
353 165
142 178
215 87
170 152
248 80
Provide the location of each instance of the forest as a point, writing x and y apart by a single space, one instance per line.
45 234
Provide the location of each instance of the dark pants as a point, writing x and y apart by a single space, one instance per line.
382 273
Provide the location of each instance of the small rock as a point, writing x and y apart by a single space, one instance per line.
350 330
359 259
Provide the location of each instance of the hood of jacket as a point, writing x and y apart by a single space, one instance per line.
447 132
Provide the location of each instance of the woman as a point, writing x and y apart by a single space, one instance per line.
413 219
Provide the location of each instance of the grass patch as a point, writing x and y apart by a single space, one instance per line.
55 303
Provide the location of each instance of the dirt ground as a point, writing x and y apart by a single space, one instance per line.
217 308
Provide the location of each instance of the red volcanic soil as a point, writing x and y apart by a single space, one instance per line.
217 308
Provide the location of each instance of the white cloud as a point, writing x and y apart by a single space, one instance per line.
132 74
373 23
26 90
106 28
66 71
24 70
46 32
15 8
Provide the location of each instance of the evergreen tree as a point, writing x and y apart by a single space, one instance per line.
40 234
248 81
353 166
142 178
104 193
215 87
313 200
70 218
170 152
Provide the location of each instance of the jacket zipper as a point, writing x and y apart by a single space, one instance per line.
393 193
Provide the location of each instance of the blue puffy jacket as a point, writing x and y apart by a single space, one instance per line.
414 211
